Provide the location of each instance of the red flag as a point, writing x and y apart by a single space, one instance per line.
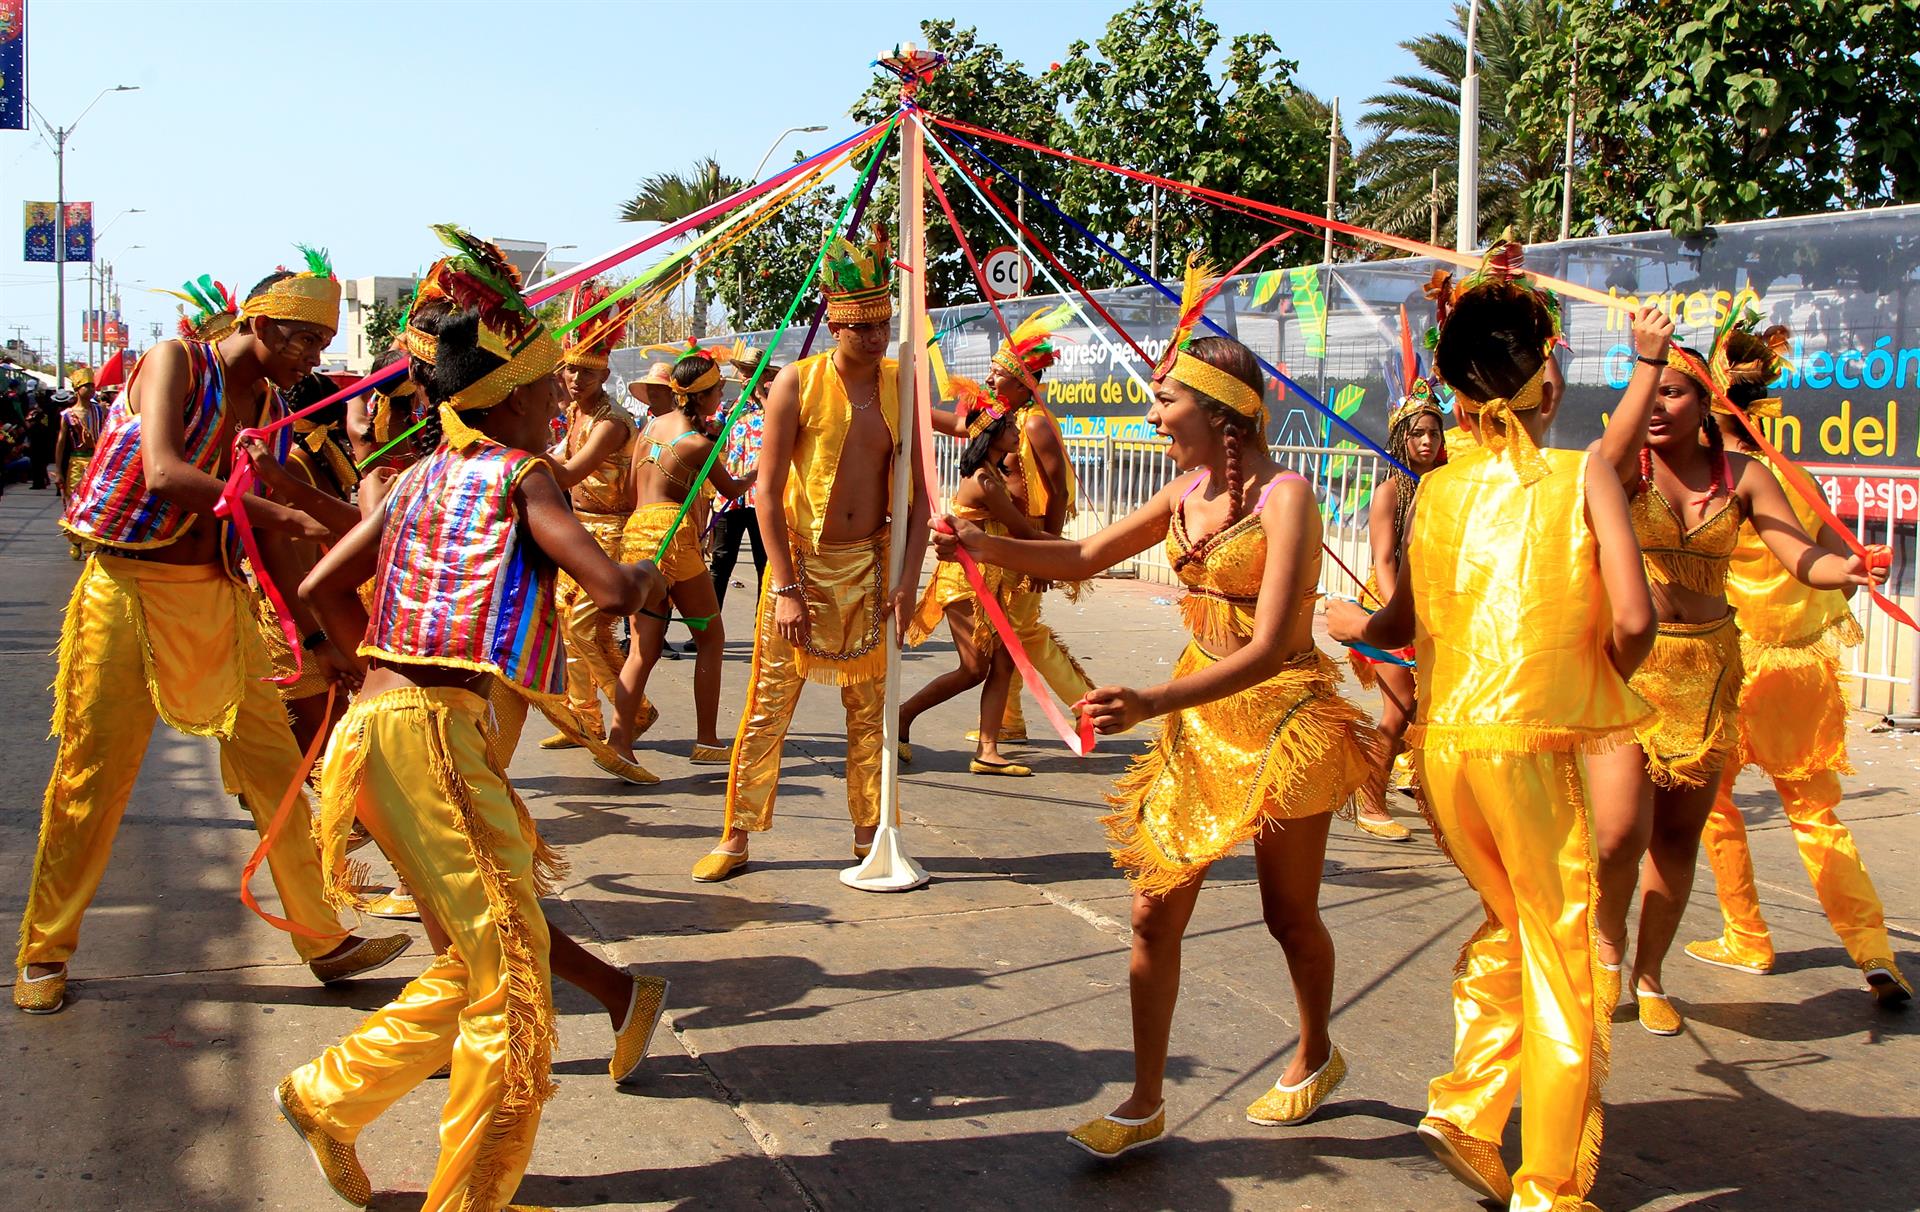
114 373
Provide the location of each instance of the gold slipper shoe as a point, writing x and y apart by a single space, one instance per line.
335 1159
40 994
1475 1162
643 1015
1657 1014
1005 770
1284 1106
720 864
1715 951
1110 1136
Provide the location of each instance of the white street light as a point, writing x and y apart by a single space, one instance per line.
543 258
791 130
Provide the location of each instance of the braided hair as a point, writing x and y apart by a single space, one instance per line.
1237 429
686 372
1399 438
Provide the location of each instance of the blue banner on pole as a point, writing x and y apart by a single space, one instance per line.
41 232
13 64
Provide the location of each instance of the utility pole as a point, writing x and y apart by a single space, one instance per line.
1433 209
1467 204
1333 176
1566 183
1153 232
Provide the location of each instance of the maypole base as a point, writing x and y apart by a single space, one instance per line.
886 867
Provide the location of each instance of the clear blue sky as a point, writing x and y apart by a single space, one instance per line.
353 124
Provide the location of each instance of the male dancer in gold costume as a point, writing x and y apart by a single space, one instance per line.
596 469
826 596
159 628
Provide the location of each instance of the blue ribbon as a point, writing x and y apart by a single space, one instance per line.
1164 289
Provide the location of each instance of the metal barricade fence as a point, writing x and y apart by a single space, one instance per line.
1118 475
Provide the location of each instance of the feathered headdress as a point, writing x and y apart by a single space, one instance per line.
1420 396
1197 289
589 344
713 357
214 312
1025 354
1501 272
311 296
1744 360
858 280
477 277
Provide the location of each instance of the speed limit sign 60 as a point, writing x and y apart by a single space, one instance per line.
1008 272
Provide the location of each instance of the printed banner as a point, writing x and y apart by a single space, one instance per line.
13 64
1843 284
42 230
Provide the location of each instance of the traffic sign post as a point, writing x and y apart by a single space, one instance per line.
1008 272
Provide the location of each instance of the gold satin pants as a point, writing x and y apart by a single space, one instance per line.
1832 860
144 641
413 763
593 659
844 587
1525 1013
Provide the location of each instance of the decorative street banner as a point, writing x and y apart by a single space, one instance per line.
1847 285
13 64
41 230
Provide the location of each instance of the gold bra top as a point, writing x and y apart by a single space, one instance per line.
1223 572
1695 559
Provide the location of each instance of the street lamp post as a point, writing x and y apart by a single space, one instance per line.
60 135
543 258
1467 201
791 130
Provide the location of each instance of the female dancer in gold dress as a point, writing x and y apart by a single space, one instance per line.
1257 743
1689 498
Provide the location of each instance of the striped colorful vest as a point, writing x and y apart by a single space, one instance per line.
113 507
458 582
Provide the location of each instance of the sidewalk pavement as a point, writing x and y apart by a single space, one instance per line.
832 1049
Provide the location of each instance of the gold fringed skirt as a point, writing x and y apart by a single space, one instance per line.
1219 773
1793 718
1691 679
310 681
947 587
845 586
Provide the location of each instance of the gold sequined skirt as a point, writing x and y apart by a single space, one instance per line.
1219 773
1691 679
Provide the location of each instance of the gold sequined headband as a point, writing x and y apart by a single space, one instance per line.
1210 380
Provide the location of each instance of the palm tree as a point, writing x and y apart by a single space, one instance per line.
668 197
1415 130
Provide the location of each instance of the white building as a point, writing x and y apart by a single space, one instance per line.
360 294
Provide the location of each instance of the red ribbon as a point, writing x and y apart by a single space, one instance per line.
281 816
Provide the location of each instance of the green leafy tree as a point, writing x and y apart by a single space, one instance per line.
382 324
1414 129
1144 96
1709 111
669 197
981 86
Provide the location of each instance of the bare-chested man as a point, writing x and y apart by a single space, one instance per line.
826 598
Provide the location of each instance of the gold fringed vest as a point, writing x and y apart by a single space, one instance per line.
1510 616
825 416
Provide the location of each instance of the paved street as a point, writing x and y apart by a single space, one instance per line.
829 1049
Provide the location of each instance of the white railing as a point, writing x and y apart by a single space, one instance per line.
1118 475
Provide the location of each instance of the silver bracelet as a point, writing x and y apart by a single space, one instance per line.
796 587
